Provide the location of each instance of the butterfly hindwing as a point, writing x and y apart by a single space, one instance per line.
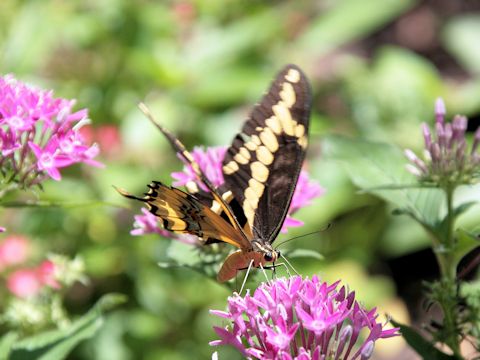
207 199
262 165
182 213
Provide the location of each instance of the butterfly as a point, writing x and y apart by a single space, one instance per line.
260 169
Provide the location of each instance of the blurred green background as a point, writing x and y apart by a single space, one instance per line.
376 67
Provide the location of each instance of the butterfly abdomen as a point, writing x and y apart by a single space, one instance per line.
239 260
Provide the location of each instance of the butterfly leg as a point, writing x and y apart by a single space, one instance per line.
274 266
246 275
289 264
264 273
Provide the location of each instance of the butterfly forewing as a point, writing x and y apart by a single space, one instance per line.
264 161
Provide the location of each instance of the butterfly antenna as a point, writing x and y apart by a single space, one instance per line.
188 159
127 194
300 236
176 144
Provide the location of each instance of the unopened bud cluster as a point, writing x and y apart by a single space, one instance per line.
447 159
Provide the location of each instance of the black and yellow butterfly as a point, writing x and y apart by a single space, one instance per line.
261 170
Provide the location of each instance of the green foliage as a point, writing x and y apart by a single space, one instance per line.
379 168
466 242
422 346
57 344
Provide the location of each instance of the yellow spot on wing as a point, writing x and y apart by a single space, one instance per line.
227 196
259 171
249 211
243 156
244 152
273 123
216 208
269 139
285 118
192 187
303 142
256 186
252 197
287 94
299 130
264 155
230 168
176 224
250 145
256 140
293 76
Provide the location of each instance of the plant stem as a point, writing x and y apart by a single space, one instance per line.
448 271
451 267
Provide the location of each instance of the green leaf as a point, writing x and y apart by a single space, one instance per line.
441 228
423 347
460 209
466 242
379 169
57 344
6 343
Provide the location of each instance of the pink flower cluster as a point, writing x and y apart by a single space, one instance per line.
24 282
39 134
210 161
300 319
447 159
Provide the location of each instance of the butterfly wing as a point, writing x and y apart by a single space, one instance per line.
207 199
262 165
182 213
188 159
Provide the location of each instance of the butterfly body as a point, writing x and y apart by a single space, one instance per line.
240 260
260 169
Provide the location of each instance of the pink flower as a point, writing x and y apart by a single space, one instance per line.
300 319
39 134
210 161
24 283
49 159
14 250
46 274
